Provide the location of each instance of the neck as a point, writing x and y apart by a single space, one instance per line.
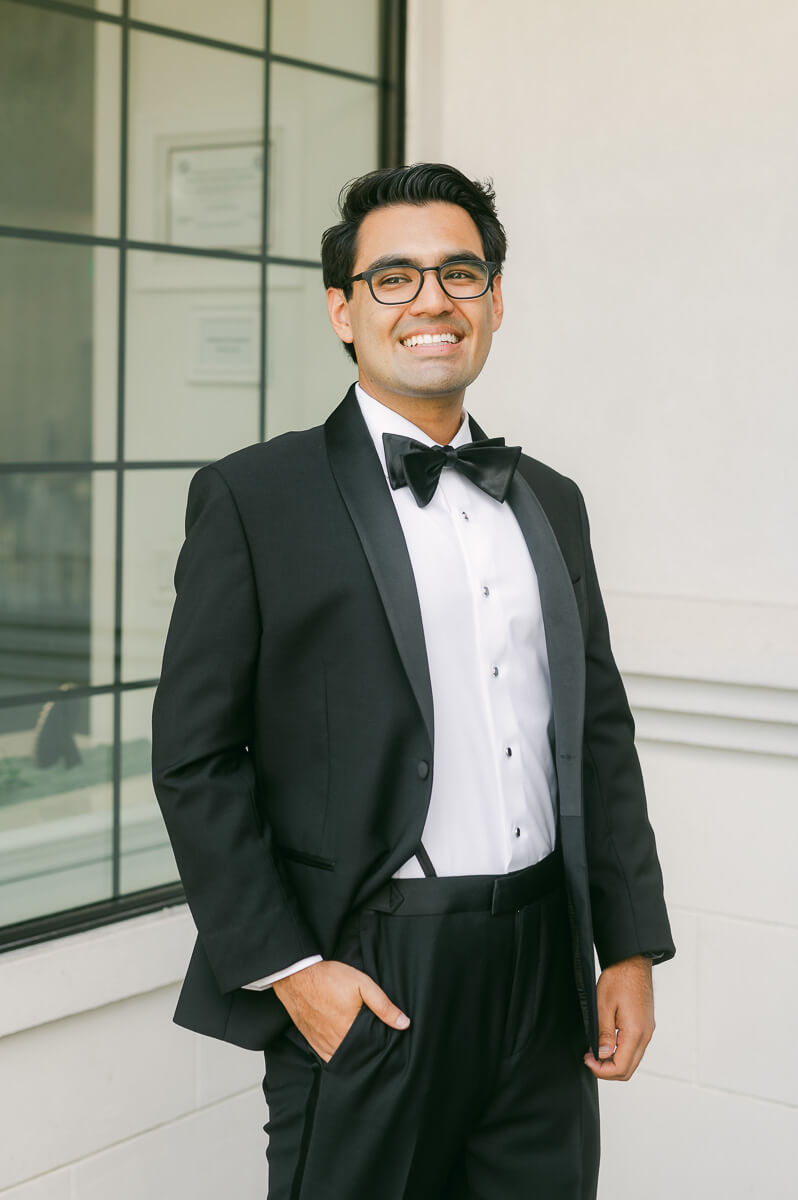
439 417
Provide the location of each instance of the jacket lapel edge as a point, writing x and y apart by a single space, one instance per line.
365 493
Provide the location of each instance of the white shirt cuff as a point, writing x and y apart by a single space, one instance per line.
260 985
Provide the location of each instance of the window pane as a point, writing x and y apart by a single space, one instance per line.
193 357
59 137
307 369
55 806
323 131
147 859
107 6
338 35
196 145
192 386
57 568
58 335
155 506
241 22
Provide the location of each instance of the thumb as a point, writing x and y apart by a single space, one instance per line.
607 1037
607 1043
374 998
607 1020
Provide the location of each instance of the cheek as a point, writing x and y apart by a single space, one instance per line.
373 333
485 334
483 329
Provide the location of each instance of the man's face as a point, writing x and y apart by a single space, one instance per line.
425 236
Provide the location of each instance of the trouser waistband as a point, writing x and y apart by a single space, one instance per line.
469 893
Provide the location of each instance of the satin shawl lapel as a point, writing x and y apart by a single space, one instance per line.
364 489
566 652
564 644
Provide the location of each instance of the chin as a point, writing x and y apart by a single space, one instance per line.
433 383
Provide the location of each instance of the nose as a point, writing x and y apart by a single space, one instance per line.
432 298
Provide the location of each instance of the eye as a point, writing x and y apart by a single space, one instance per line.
463 271
393 278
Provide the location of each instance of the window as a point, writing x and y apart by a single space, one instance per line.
159 285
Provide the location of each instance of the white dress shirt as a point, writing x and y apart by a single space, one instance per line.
491 808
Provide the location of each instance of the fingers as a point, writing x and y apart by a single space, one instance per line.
323 1001
631 1045
625 1003
374 998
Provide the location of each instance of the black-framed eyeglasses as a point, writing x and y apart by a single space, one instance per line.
399 283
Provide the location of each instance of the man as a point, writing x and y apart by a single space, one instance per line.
396 761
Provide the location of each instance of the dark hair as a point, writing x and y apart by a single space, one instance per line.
421 183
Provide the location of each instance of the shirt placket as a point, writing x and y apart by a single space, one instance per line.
478 535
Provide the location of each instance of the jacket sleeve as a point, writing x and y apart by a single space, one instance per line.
247 919
626 892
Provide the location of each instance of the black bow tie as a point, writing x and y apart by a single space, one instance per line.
489 464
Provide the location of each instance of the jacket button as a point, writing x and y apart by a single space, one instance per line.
423 769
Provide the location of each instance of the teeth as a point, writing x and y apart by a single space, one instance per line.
429 339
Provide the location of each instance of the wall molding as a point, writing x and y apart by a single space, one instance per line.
723 716
705 639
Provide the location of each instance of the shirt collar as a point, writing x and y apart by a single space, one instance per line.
380 419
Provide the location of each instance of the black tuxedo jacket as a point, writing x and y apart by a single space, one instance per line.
293 743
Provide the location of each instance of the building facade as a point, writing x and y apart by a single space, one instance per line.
645 161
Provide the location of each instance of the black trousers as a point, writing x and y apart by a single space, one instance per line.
486 1096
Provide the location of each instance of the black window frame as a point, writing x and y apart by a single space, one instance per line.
390 83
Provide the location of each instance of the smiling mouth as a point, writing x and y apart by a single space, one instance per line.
431 339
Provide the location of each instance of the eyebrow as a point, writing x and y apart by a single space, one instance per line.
407 260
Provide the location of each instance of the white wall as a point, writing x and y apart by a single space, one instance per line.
102 1096
646 162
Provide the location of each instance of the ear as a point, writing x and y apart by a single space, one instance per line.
497 302
338 308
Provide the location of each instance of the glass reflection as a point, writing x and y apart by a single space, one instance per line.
193 361
322 132
45 606
338 35
196 144
147 859
155 506
56 564
59 137
302 389
55 805
58 351
241 22
108 6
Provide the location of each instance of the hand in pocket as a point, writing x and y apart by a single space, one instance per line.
324 999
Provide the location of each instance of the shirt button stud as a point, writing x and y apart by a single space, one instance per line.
494 671
485 590
423 769
508 750
464 515
517 831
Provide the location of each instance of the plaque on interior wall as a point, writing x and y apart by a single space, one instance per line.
225 345
214 195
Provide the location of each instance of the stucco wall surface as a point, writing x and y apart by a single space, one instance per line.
645 161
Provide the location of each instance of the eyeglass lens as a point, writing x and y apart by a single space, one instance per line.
460 280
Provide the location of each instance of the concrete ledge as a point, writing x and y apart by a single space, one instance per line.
44 983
